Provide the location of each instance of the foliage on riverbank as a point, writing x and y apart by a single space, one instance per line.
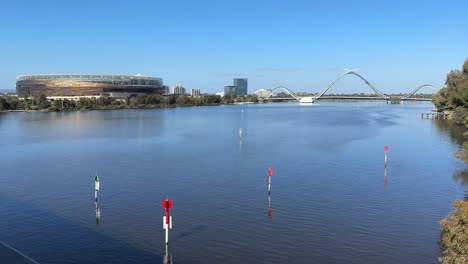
455 94
454 240
10 103
453 98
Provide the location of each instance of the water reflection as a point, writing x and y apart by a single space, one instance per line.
461 176
270 210
240 149
168 256
80 125
98 213
385 176
454 130
455 133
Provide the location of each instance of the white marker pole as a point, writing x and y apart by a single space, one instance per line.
167 219
167 234
167 226
96 186
269 184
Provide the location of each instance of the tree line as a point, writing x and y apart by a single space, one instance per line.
9 103
454 96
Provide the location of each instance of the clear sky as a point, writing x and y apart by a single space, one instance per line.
397 45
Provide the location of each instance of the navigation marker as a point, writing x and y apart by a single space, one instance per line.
96 186
240 133
270 174
386 154
167 219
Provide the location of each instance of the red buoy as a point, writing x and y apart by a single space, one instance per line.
167 204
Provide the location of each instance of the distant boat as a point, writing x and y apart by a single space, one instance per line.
240 133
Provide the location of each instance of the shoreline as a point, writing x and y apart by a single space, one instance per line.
104 109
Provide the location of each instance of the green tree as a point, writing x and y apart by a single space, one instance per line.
4 104
455 93
42 102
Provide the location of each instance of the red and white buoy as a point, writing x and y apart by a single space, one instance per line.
167 219
386 154
270 174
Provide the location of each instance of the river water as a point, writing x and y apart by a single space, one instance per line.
331 199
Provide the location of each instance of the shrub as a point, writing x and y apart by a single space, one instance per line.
454 237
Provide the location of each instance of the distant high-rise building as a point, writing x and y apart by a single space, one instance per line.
230 90
165 89
178 89
195 92
241 84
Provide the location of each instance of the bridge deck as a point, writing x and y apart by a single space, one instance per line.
351 98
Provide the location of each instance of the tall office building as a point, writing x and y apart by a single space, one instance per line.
241 84
230 90
178 89
195 92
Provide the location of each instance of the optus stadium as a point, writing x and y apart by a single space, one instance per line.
79 85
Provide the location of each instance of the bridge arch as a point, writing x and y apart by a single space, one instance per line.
348 72
417 89
295 96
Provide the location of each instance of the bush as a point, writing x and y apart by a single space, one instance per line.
454 237
460 115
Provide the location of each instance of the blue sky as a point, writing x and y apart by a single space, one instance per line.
397 45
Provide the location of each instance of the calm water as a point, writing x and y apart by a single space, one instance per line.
330 201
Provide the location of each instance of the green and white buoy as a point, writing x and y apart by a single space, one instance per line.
96 186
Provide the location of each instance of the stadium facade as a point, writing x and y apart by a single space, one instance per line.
80 85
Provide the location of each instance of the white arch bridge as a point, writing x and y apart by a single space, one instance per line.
379 94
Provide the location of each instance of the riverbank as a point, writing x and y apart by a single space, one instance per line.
105 109
142 101
454 237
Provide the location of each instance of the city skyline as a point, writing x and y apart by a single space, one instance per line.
303 46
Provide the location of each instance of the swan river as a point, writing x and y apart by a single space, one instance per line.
332 200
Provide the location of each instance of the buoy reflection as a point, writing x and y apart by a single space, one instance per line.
98 213
385 177
168 256
270 210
